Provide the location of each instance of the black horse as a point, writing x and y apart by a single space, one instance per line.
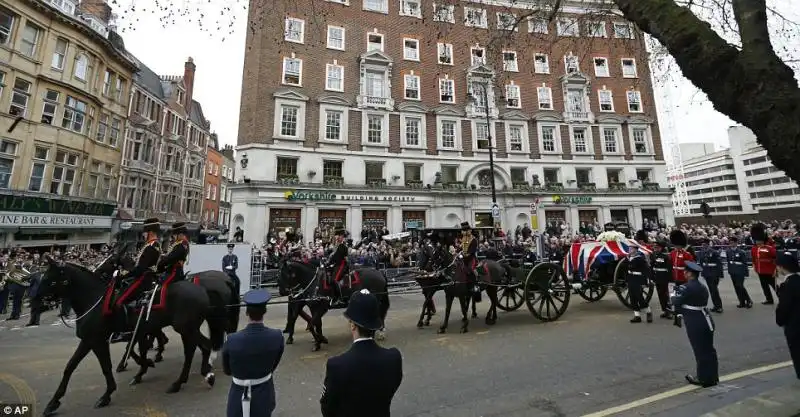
489 275
436 272
306 286
187 307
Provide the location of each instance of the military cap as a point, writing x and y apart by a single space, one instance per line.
694 267
465 226
231 245
179 227
151 225
257 298
340 232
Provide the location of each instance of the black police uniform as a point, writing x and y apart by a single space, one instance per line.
363 380
662 275
691 306
711 261
250 356
736 259
787 313
637 278
230 263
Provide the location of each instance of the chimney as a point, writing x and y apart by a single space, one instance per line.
97 8
188 80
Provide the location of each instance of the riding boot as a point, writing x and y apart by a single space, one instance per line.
122 324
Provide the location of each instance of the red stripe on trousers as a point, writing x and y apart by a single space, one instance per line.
107 297
163 298
129 291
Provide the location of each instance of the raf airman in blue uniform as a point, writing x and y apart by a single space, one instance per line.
787 314
250 357
713 271
738 270
230 263
690 302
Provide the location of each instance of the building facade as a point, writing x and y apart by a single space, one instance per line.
213 181
166 137
64 86
385 114
228 169
737 180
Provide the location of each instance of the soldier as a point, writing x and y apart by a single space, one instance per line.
230 263
737 269
171 265
679 256
250 357
363 380
17 283
337 267
690 302
763 256
637 279
712 272
140 279
662 275
787 314
469 252
643 240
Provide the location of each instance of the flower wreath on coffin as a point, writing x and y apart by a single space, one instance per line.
611 236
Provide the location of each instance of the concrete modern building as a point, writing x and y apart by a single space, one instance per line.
387 112
737 180
228 169
64 86
213 181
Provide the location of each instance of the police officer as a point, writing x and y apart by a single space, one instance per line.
363 380
691 307
662 275
230 263
250 357
738 270
337 267
711 261
787 314
638 276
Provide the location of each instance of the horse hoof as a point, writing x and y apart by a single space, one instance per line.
323 340
210 379
102 402
289 341
441 330
285 331
474 315
490 322
175 387
136 380
419 324
316 348
122 368
308 328
158 358
428 323
464 330
51 408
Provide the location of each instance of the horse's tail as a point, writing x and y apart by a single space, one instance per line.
233 309
217 317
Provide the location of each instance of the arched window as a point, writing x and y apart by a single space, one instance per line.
81 67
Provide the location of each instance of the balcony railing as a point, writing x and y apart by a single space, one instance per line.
578 116
376 182
617 186
455 185
554 186
288 179
587 186
376 102
650 186
333 181
521 185
414 184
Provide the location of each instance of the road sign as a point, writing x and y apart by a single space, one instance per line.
495 211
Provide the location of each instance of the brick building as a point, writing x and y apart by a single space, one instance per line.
226 179
375 114
214 164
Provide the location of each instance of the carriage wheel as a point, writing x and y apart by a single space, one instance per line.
592 291
547 291
621 285
510 298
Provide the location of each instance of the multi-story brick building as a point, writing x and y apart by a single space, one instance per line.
375 114
64 85
165 148
228 168
213 180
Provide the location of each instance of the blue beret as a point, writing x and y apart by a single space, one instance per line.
694 267
257 297
786 259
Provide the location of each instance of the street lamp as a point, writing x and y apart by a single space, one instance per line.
484 87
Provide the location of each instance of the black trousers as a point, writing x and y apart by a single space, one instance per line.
713 291
636 291
662 289
793 340
767 281
741 292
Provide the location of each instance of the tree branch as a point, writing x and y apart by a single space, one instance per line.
751 17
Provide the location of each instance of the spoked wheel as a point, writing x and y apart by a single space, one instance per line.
510 298
547 291
592 291
621 285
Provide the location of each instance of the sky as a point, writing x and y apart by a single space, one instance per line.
219 56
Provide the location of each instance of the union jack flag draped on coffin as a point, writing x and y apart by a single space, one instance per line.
585 256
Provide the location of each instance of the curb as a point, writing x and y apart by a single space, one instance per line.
778 402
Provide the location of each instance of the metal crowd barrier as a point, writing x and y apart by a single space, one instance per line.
268 278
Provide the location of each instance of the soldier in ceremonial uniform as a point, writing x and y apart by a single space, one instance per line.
679 256
140 279
337 267
638 276
737 269
763 255
691 308
170 266
711 261
250 357
363 380
662 275
787 314
469 249
17 282
230 263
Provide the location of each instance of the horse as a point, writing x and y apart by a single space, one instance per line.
187 307
306 285
435 273
490 273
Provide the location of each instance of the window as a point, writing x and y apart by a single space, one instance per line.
448 133
537 25
576 102
38 169
482 135
375 82
59 54
107 82
380 6
601 67
606 99
643 175
50 106
373 171
333 125
336 38
634 101
286 166
506 21
445 53
411 87
640 140
444 13
81 67
513 96
518 175
623 30
19 98
579 140
292 71
551 175
40 152
568 27
510 61
8 148
410 8
571 64
475 18
375 128
541 65
6 169
446 91
6 25
413 172
449 174
411 49
331 169
74 115
102 128
596 29
294 30
113 136
549 138
289 120
629 68
375 42
335 77
61 181
610 140
478 56
515 137
119 89
30 36
545 98
412 128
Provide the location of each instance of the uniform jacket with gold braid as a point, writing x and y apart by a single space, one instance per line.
173 261
469 249
146 260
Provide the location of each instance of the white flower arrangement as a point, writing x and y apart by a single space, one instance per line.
611 236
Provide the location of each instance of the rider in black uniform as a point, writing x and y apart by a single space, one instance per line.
337 267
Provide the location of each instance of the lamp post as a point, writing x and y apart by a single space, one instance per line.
485 92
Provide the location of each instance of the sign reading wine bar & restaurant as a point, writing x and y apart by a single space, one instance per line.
42 220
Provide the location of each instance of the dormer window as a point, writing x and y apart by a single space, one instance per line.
375 42
180 97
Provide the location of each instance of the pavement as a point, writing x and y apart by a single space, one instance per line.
592 362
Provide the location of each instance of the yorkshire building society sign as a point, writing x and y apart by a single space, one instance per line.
58 221
572 199
326 196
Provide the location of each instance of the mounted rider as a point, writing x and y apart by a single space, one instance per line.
170 267
469 250
140 279
337 267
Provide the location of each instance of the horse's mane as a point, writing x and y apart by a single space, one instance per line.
79 267
307 267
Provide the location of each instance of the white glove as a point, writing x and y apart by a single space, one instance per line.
228 267
116 273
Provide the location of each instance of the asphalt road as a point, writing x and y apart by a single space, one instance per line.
589 360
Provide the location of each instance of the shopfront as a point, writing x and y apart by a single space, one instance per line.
281 219
587 216
332 219
413 219
650 215
373 219
619 216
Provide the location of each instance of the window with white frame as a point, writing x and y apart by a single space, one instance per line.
568 26
515 137
113 134
411 49
381 6
81 66
6 169
571 63
606 100
412 172
336 38
59 54
444 13
289 120
333 125
447 91
332 169
410 8
292 71
475 17
411 87
445 53
549 138
601 67
74 115
610 140
63 173
538 25
510 61
481 135
477 56
38 168
640 140
334 79
374 83
506 21
20 95
50 106
629 68
7 147
6 26
449 174
375 41
513 96
634 101
29 40
623 30
545 95
596 29
373 171
2 80
413 127
448 134
541 64
374 128
294 30
579 141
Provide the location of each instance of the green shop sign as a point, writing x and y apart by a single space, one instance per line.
572 199
309 196
28 204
